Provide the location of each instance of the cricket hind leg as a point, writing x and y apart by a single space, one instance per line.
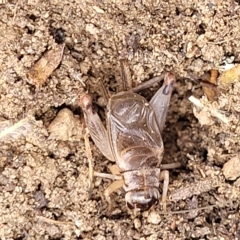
109 190
115 173
95 126
160 101
113 186
148 83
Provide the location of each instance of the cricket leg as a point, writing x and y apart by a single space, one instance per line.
148 83
164 176
90 161
113 186
167 166
116 174
160 101
95 126
110 189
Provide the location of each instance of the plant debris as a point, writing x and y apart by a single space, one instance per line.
43 68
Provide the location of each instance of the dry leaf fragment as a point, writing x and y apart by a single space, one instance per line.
231 169
10 131
230 76
211 91
43 68
209 85
213 76
63 125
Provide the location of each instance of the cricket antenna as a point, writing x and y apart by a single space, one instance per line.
105 94
125 72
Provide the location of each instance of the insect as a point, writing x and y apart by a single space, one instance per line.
132 139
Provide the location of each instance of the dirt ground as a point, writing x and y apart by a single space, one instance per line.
44 174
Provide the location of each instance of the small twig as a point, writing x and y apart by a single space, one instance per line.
51 221
213 111
187 211
223 41
196 102
218 115
195 188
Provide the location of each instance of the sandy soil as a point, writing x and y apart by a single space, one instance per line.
44 178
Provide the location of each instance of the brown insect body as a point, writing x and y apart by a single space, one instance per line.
136 145
133 140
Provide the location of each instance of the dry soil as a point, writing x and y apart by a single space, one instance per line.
44 179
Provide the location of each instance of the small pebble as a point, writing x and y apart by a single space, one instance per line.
154 218
62 127
137 223
231 169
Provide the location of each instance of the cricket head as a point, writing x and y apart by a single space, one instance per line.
142 199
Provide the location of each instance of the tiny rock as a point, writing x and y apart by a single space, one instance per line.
98 9
154 217
63 125
91 29
231 169
137 223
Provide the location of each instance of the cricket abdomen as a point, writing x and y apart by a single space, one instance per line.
133 132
